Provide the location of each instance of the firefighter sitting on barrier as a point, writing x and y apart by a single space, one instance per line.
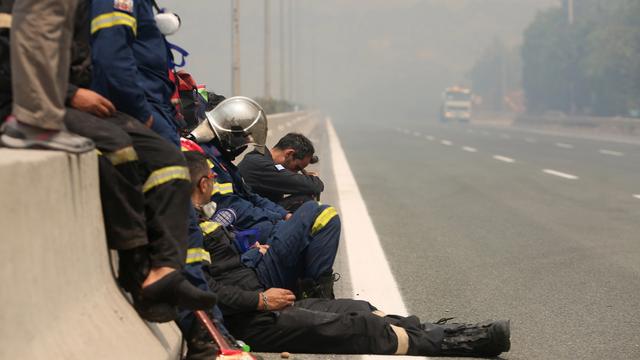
144 186
271 319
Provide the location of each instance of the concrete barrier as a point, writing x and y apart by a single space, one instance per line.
59 298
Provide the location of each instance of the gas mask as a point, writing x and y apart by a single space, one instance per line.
168 23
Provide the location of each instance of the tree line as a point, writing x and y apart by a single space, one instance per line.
588 64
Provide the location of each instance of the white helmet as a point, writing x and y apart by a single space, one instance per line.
235 122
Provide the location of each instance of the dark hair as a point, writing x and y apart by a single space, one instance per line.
298 142
198 166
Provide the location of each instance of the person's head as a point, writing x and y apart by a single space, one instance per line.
294 151
232 125
202 178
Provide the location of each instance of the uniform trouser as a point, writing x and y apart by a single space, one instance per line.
40 55
144 186
303 247
340 326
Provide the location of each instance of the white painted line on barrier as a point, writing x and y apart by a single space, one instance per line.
430 138
564 146
469 149
503 158
446 142
371 276
531 140
611 152
637 196
560 174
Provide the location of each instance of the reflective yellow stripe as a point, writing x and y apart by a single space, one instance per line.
164 175
99 152
222 188
113 19
208 227
321 221
198 255
122 156
210 164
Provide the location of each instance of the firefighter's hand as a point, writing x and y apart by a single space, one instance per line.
288 216
92 102
277 299
261 248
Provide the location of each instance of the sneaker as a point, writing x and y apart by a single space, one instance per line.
23 136
487 338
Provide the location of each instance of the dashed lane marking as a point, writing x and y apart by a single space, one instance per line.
430 138
446 142
371 275
469 149
564 146
637 196
504 158
611 152
560 174
415 133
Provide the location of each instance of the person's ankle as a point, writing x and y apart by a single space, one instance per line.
156 274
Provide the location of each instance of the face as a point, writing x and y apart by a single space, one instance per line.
296 165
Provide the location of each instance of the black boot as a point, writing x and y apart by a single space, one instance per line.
486 339
200 346
133 268
323 288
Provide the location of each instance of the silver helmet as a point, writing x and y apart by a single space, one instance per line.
235 122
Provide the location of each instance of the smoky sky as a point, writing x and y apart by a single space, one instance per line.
352 57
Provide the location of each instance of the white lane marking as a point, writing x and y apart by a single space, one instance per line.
469 149
503 158
531 140
371 276
611 152
637 196
430 138
564 146
446 142
505 136
560 174
415 133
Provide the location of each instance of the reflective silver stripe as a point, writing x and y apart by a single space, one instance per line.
5 21
198 255
122 156
164 175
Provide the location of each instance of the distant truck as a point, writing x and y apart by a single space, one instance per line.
456 104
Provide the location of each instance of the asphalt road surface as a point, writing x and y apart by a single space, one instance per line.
481 222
